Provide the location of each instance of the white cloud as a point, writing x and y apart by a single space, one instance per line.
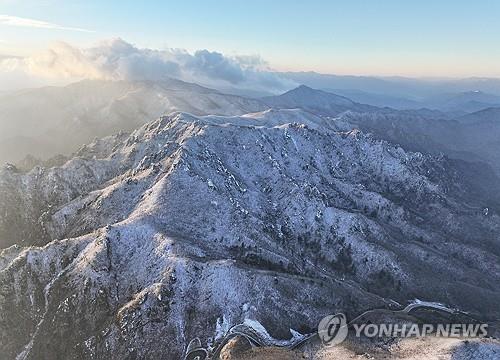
25 22
119 60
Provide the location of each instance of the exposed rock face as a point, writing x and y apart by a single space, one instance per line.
192 224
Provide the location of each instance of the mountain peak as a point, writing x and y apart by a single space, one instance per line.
304 89
313 100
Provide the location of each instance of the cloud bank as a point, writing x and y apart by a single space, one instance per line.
119 60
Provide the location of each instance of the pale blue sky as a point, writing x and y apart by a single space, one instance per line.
386 37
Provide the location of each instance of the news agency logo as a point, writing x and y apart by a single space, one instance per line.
333 329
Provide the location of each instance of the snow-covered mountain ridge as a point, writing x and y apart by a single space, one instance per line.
190 222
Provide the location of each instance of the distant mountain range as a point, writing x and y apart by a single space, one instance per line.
409 88
51 120
58 120
470 101
379 100
456 103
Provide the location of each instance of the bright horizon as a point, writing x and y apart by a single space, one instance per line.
390 38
